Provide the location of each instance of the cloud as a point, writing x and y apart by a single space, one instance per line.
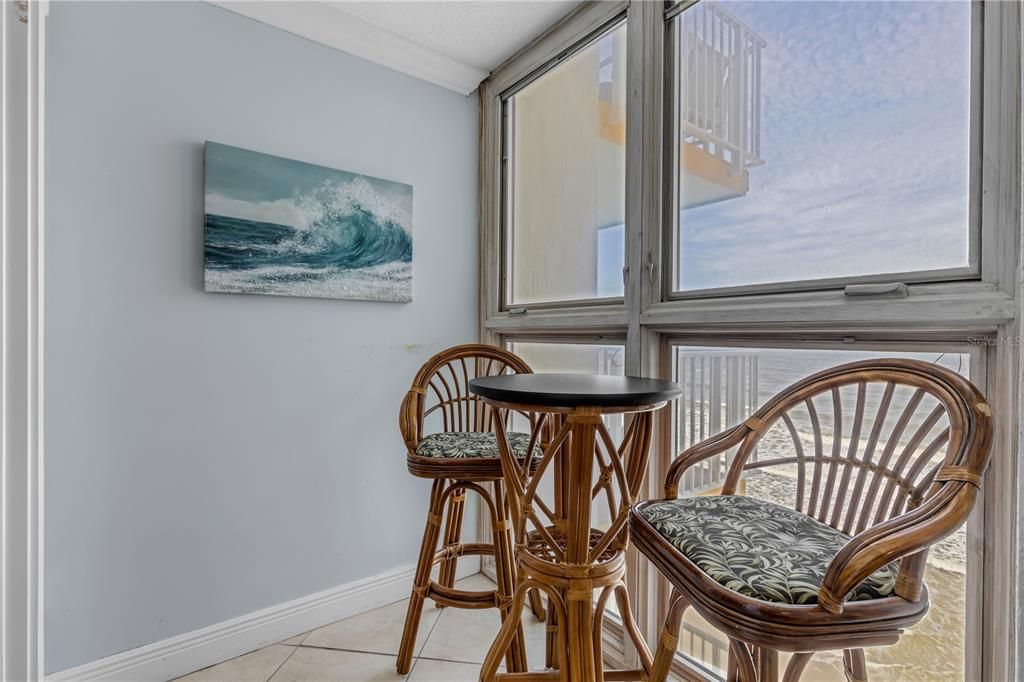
865 141
280 212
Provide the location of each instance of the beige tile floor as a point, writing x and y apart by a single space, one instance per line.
450 647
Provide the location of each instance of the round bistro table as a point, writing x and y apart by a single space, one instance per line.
557 549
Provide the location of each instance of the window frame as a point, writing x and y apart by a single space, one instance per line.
984 309
587 38
972 272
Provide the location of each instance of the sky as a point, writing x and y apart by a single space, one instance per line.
865 130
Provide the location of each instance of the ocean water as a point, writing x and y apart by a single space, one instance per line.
778 368
350 253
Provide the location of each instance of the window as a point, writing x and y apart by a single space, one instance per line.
821 141
565 178
774 153
722 386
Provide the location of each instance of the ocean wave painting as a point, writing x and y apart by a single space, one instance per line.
288 228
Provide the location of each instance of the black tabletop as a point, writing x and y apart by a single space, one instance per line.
574 390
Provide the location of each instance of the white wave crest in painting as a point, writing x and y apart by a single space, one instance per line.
342 198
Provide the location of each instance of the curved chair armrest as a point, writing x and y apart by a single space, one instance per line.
907 534
701 451
409 418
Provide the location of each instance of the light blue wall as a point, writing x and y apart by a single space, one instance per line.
208 455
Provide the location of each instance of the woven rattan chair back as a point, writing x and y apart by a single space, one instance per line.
909 420
440 396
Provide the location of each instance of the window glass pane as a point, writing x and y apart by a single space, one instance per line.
721 387
820 140
577 358
565 178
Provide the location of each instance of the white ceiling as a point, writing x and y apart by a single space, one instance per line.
452 44
481 34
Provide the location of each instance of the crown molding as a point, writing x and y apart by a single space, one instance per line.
328 25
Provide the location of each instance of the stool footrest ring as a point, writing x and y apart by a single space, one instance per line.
460 549
462 599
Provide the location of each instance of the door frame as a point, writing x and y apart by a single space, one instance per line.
23 27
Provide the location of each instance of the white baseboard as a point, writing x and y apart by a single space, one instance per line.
182 654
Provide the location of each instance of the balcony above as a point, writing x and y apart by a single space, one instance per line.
718 105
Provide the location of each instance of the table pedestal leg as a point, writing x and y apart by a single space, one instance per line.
515 657
511 630
566 559
580 593
580 632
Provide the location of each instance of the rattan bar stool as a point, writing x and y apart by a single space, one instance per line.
449 435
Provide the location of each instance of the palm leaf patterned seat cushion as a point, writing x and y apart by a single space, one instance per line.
759 549
462 444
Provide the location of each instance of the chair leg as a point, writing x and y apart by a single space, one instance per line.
597 634
551 638
505 640
669 640
536 605
421 581
797 664
741 663
452 533
767 664
626 614
505 569
854 665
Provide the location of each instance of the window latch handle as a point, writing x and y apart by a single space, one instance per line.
890 289
517 311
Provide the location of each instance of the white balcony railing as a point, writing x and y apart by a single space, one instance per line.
720 389
705 646
719 98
